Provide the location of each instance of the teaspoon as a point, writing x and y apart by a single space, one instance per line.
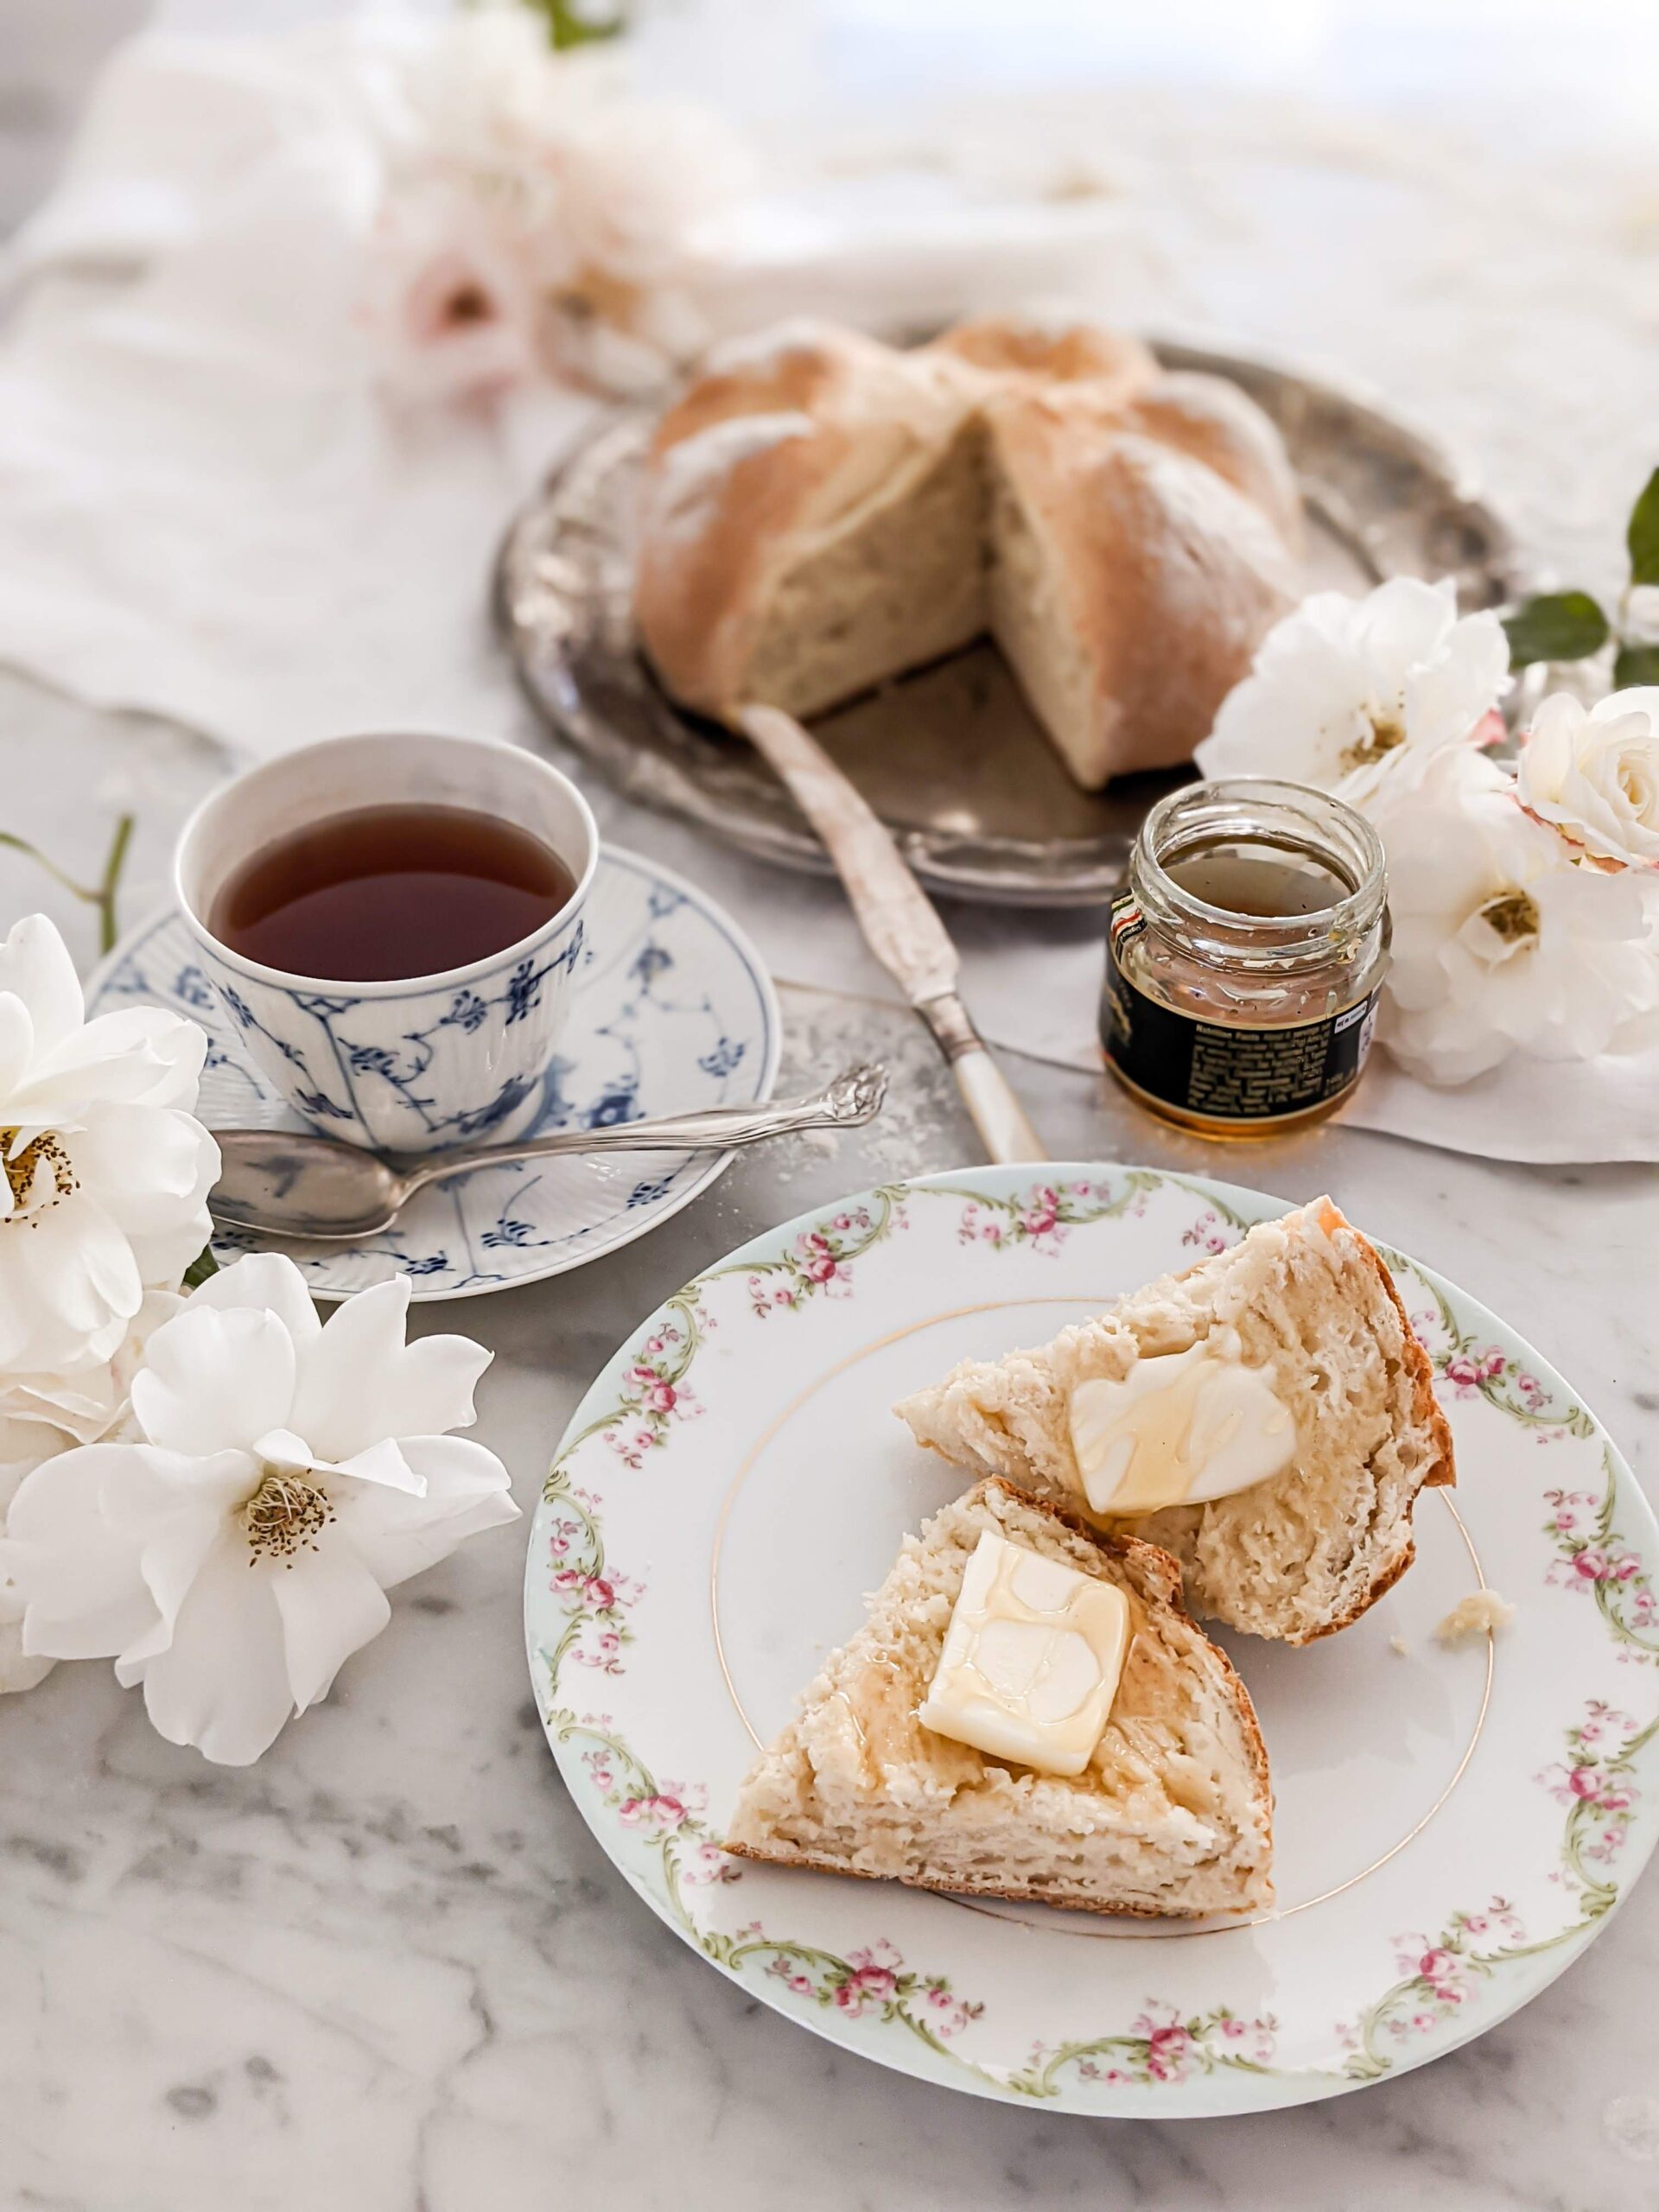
288 1184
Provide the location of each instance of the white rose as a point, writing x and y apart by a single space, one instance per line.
234 1546
1595 774
1346 690
19 1670
106 1169
1501 942
43 1414
453 301
539 218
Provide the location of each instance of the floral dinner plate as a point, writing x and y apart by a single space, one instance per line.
673 1010
1454 1825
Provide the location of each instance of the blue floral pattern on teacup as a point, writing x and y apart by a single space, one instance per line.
415 1070
669 1007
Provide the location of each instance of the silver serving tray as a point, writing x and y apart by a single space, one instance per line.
950 756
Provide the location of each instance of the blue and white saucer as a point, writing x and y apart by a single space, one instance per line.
673 1010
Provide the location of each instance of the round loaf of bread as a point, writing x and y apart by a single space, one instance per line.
821 512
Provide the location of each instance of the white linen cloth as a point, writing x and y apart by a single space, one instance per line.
208 510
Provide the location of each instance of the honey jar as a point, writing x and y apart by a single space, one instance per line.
1245 956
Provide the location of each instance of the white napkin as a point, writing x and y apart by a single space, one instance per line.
208 512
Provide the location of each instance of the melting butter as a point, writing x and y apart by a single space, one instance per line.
1180 1428
1032 1659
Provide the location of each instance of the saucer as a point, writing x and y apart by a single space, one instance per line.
673 1011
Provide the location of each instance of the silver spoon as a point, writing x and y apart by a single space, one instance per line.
288 1184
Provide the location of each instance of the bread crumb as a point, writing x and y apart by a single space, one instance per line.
1482 1612
1398 1644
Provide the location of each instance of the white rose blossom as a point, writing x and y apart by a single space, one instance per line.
43 1414
278 1477
1525 908
1501 941
537 218
1346 690
455 302
1594 773
106 1170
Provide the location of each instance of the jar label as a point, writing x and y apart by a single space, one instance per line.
1224 1071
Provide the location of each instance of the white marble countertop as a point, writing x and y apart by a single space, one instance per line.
389 1970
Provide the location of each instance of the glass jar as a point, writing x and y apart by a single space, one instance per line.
1245 956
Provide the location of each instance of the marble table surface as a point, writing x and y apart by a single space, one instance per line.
388 1969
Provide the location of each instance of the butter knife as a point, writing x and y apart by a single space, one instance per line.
900 924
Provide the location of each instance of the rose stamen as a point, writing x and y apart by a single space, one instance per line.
284 1515
45 1151
1386 735
467 303
1512 916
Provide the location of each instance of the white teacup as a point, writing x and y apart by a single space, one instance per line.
412 1065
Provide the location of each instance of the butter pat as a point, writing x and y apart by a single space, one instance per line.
1032 1659
1180 1428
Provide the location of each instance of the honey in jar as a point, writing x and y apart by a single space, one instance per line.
1245 956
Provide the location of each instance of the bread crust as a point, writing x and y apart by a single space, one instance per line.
1114 367
1156 1577
1164 504
1391 1555
842 408
1444 1472
1426 1406
820 1865
1171 574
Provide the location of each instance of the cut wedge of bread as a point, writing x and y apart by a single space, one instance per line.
820 513
1173 1815
1305 1553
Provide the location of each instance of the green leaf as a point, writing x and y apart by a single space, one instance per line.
1643 535
200 1268
1636 665
1555 625
578 22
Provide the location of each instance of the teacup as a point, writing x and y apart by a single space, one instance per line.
408 1066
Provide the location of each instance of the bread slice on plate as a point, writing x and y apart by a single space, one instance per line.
1173 1814
1305 1302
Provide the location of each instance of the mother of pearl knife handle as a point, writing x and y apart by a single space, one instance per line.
1004 1129
899 922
